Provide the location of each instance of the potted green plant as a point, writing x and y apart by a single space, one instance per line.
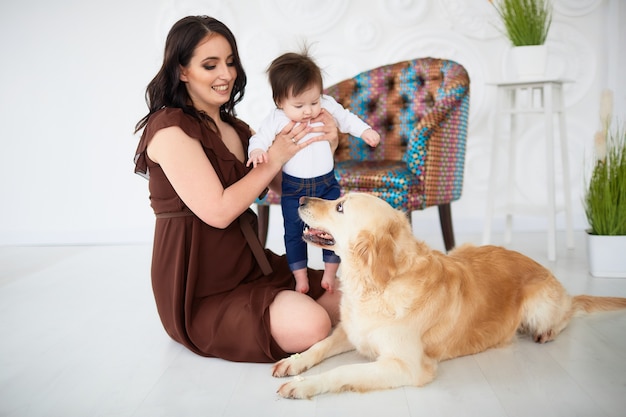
526 24
605 199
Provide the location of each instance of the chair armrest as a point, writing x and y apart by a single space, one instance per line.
436 150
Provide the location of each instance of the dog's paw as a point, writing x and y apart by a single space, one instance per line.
299 389
544 337
293 365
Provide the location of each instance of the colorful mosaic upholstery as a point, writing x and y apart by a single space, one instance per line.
420 108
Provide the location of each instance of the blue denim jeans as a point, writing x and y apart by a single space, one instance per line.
325 186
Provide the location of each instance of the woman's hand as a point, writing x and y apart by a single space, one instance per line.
287 142
328 130
286 145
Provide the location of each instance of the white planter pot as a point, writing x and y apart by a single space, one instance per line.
530 61
606 256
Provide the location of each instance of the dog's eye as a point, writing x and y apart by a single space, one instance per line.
339 207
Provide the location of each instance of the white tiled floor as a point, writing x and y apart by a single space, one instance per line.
80 336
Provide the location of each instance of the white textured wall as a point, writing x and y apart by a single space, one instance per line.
73 76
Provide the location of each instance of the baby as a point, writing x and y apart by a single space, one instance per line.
297 86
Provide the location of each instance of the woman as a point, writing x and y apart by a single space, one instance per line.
216 290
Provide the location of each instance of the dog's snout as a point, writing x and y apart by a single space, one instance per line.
303 200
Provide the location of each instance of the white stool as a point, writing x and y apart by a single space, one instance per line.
531 97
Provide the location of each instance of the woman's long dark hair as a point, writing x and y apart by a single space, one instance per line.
167 90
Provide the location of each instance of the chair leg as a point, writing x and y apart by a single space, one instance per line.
445 218
264 220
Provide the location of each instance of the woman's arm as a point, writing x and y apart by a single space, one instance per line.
194 179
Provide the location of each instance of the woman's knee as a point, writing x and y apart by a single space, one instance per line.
297 321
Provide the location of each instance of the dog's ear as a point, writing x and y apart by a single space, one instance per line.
362 248
377 256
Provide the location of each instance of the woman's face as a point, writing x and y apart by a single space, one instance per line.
210 74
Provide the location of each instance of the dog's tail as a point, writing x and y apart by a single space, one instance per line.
590 303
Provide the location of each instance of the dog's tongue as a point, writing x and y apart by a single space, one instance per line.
317 236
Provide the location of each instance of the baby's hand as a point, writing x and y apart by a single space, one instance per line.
257 156
371 137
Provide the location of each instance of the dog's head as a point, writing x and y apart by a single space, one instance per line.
362 229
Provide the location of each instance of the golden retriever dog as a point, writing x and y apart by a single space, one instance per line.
407 307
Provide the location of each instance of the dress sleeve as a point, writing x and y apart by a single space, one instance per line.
162 119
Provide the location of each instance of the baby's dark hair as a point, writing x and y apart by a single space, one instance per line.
293 73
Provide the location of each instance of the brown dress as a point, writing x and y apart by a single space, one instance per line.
211 294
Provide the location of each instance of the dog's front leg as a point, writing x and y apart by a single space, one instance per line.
385 373
333 345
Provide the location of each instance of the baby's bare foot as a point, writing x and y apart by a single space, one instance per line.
302 283
329 283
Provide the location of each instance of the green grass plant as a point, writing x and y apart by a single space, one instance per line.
526 22
605 197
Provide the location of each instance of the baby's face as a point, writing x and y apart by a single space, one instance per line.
304 106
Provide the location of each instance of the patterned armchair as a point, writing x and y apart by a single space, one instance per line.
420 108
